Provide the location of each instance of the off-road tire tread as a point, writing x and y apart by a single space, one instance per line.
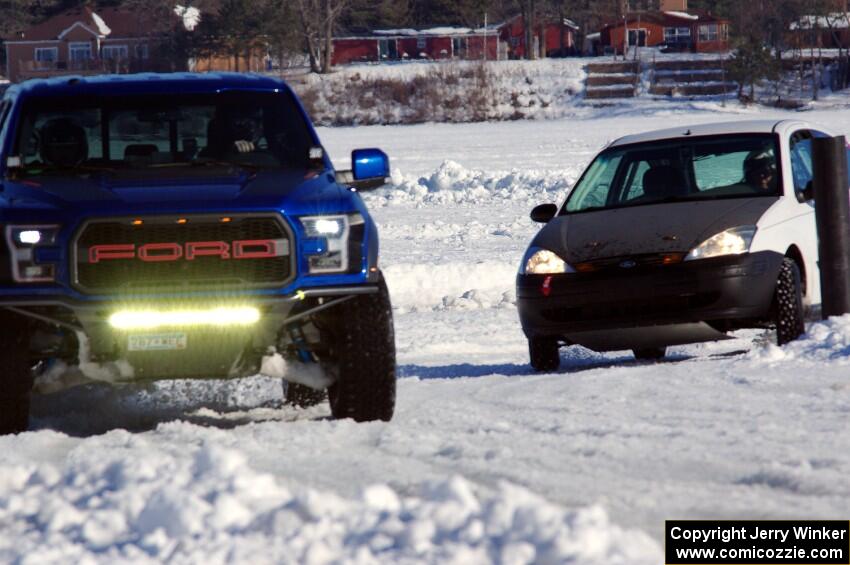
303 396
365 388
16 377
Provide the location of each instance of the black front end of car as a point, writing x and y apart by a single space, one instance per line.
602 308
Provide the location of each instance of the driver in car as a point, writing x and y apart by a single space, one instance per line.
760 171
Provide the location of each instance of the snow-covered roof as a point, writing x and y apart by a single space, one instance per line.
683 15
190 15
445 30
569 23
836 20
101 25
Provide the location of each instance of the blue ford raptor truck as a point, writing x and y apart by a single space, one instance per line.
186 226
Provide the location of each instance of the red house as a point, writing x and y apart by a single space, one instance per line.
503 41
551 38
699 32
405 44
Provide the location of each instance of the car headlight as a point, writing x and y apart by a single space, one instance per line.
333 231
543 262
734 241
24 242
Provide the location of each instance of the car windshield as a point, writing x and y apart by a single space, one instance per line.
694 169
126 133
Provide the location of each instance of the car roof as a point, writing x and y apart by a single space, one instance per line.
717 128
147 83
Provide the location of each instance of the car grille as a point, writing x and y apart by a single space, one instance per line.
632 309
110 275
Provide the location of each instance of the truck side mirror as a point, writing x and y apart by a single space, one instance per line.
370 168
544 212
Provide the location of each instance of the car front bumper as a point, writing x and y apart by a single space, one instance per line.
723 292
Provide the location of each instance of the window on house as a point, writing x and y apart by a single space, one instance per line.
142 51
113 52
677 35
708 32
79 51
46 54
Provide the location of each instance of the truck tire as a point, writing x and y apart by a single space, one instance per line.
544 354
650 353
365 357
16 378
788 303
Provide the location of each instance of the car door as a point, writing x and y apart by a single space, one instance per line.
803 221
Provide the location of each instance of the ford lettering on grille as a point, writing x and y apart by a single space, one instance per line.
169 251
118 256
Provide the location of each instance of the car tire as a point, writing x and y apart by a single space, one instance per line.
650 353
302 396
544 354
788 314
16 378
364 354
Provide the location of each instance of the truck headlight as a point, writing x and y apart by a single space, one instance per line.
333 231
734 241
23 242
539 261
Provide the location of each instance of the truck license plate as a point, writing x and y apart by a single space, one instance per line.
157 342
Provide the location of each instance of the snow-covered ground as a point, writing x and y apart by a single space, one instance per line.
485 461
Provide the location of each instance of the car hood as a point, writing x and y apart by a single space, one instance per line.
674 227
289 191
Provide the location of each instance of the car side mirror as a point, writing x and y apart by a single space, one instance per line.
544 212
807 193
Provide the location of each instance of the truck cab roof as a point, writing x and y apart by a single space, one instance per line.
147 83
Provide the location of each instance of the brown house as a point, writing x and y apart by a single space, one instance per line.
83 41
112 40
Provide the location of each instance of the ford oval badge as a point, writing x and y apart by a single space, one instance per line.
628 264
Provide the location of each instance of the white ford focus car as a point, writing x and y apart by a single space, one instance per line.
676 236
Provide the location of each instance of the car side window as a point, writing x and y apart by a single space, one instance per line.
801 159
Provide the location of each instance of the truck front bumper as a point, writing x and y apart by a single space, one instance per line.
187 350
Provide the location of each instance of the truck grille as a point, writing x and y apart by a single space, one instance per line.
187 253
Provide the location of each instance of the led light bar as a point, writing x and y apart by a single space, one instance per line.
150 319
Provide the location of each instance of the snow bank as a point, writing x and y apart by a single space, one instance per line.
827 341
460 91
452 183
454 285
212 507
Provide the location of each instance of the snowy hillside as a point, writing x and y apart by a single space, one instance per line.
485 461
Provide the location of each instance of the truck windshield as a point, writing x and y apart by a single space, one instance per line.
243 129
693 169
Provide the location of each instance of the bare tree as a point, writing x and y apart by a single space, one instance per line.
318 21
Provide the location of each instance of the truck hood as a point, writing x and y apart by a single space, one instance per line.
674 227
289 191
